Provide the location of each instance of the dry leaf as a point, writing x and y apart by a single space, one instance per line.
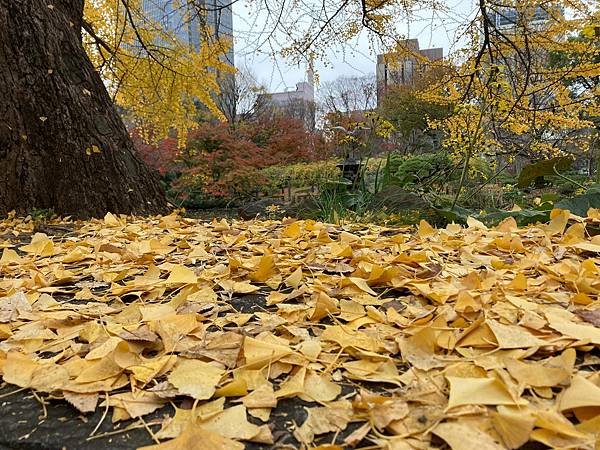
464 437
590 316
265 269
513 425
182 275
197 438
238 287
294 279
85 403
561 322
11 308
262 397
513 336
383 414
231 423
581 393
195 378
9 256
478 391
319 388
136 404
40 246
419 350
334 417
259 354
536 375
160 312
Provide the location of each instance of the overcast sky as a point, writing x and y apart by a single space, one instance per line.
432 29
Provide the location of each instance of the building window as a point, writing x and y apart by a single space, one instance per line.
507 17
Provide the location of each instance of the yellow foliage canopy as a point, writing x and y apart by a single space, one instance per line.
154 76
525 87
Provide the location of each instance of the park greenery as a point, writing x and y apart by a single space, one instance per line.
458 137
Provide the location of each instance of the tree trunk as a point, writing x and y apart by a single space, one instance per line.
63 145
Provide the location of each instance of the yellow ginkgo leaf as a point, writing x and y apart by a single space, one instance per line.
265 269
195 378
581 393
293 230
259 354
513 336
319 388
345 337
536 375
425 230
519 283
110 220
465 437
294 279
9 256
235 388
40 245
514 425
559 221
362 285
181 275
197 438
238 287
564 322
479 391
261 397
324 305
231 423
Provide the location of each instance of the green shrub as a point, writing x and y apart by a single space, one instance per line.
301 175
417 169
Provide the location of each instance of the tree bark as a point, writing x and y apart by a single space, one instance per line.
63 145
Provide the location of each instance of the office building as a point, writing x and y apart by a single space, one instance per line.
185 20
394 69
506 18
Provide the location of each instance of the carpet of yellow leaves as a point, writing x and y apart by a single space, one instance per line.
471 336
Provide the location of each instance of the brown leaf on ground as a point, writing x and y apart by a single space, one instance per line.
590 316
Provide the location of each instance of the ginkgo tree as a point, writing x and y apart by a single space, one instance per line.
513 103
63 65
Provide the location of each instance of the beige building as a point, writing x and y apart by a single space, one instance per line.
298 104
394 70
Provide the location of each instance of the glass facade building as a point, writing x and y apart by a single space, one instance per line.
506 17
185 20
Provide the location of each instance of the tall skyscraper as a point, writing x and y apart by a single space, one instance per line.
185 20
220 20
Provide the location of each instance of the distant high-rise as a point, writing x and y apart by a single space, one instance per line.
505 18
185 20
403 70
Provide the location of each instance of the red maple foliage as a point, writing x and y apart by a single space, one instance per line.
225 162
162 156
